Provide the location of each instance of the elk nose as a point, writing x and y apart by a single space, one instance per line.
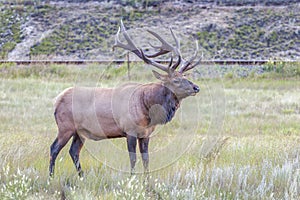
196 88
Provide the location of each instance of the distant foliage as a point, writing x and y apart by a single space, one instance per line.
253 33
218 2
284 69
257 32
10 28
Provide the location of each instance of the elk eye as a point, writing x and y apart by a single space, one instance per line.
176 81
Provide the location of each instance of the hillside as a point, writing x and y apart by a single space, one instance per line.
225 29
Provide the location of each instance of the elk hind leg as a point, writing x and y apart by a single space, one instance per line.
55 148
74 151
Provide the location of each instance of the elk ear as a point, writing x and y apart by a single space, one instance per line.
159 76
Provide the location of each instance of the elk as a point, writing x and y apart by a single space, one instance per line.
131 110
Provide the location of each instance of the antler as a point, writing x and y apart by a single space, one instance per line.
165 46
186 65
130 46
163 49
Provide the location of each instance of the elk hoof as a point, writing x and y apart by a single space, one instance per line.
81 174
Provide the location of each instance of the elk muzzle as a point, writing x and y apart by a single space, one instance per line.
196 89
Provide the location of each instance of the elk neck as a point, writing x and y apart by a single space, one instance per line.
162 101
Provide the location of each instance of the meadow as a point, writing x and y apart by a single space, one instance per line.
239 138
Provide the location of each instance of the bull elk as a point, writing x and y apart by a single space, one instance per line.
131 110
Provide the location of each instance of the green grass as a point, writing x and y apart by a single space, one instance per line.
238 138
10 29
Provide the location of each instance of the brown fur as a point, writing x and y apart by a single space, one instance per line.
98 113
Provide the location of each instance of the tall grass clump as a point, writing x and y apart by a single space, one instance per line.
282 68
10 70
15 185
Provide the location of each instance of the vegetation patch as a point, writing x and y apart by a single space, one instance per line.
11 19
80 35
252 34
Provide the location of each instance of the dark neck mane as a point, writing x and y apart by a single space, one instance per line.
160 103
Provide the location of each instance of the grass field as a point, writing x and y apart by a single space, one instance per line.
239 138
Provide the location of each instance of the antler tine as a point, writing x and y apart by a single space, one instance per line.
151 62
194 65
126 36
186 64
174 67
177 49
117 41
161 52
165 46
130 45
171 61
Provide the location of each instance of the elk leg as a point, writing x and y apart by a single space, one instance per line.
131 145
143 145
55 148
74 151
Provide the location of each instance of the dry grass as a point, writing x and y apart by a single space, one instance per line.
237 139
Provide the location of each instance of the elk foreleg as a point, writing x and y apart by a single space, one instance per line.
131 145
143 145
74 151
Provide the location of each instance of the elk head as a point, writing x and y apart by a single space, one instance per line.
174 79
